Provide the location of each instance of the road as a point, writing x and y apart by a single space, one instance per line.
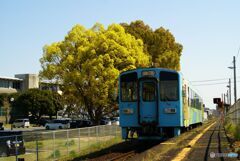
32 128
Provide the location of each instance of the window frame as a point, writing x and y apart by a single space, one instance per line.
178 86
155 92
131 80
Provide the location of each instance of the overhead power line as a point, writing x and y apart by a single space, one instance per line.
208 84
212 80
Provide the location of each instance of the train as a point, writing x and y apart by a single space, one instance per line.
157 103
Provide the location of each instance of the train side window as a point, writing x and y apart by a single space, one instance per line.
169 86
148 91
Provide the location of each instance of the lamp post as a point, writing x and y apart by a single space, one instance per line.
11 100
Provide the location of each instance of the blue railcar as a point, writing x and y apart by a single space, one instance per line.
157 102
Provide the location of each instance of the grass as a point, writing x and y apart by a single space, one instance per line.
232 129
93 148
233 133
63 149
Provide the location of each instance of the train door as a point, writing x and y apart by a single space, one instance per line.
148 102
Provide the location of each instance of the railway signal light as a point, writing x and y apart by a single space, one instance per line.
216 100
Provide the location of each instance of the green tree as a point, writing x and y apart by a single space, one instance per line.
87 63
37 102
2 97
4 106
160 44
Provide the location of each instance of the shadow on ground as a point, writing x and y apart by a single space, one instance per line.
123 147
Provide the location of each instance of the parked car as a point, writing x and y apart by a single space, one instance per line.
9 140
80 123
42 121
21 123
33 120
58 124
105 121
1 126
115 121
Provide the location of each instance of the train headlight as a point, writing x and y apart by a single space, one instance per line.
170 110
127 111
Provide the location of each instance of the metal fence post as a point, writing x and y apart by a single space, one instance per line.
97 129
104 130
37 145
110 130
88 135
16 148
78 139
67 142
54 155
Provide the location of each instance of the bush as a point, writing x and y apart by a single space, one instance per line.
57 154
73 153
237 132
232 129
70 143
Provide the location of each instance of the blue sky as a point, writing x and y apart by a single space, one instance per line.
208 31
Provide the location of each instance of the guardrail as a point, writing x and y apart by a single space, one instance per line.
54 145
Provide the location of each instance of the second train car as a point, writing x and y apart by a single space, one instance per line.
156 103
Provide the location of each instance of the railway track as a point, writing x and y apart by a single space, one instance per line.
125 151
217 139
123 157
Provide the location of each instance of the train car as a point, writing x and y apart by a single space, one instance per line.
157 103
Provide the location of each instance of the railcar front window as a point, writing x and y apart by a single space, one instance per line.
169 85
129 91
128 87
148 91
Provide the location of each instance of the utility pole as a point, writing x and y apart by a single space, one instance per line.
227 102
235 90
235 83
227 97
224 99
230 92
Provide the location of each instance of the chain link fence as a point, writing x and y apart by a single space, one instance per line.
54 145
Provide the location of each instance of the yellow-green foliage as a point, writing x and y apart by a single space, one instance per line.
88 61
160 44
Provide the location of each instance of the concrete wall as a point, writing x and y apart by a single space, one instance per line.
29 81
8 90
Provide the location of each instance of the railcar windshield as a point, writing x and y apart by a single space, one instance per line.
169 86
149 91
128 87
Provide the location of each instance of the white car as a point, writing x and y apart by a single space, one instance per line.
105 121
58 124
21 123
115 121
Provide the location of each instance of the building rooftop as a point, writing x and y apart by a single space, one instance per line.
10 78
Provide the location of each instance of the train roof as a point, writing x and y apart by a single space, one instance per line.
165 69
139 69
